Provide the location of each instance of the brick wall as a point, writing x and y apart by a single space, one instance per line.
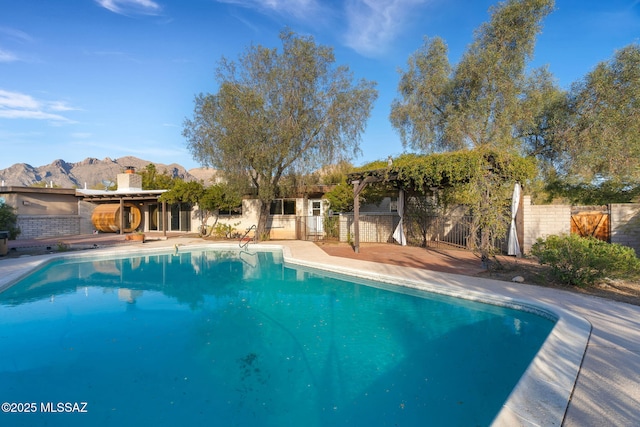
37 226
542 221
625 225
374 228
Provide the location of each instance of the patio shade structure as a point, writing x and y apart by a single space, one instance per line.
122 197
360 181
492 170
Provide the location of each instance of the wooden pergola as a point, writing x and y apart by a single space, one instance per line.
360 180
437 171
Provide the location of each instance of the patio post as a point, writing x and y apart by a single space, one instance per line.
356 217
357 189
121 216
164 219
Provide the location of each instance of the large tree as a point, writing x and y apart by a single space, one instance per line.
485 102
279 112
601 136
153 180
588 138
546 110
481 101
420 114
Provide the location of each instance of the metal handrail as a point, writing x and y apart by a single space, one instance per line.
242 243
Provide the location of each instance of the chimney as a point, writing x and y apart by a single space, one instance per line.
129 180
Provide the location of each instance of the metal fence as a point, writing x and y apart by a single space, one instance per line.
378 228
439 231
373 228
318 228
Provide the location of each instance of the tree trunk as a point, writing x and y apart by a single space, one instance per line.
485 247
263 215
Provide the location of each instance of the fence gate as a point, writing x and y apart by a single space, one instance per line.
447 231
591 221
316 228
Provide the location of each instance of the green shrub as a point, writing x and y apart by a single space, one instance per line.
9 220
222 231
332 226
581 261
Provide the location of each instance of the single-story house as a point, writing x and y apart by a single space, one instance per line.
53 212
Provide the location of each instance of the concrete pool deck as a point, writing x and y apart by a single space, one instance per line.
607 387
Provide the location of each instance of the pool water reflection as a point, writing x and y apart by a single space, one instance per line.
238 338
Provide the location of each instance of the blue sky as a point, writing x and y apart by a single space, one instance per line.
111 78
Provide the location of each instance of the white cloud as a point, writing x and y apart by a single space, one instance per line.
6 56
368 26
29 114
15 105
59 106
81 135
11 35
15 34
373 24
17 100
306 10
126 7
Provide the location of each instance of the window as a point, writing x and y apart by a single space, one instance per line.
180 217
230 211
283 207
154 217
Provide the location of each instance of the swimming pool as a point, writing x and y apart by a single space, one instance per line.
235 338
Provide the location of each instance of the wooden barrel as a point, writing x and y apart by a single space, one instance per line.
106 218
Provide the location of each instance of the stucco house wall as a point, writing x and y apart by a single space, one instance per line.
43 212
281 227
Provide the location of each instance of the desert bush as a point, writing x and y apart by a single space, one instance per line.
332 226
9 220
582 261
222 231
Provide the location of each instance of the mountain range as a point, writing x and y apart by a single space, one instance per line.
90 172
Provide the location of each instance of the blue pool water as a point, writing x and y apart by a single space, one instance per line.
237 339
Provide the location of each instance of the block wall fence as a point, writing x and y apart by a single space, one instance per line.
534 221
374 227
541 221
625 225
